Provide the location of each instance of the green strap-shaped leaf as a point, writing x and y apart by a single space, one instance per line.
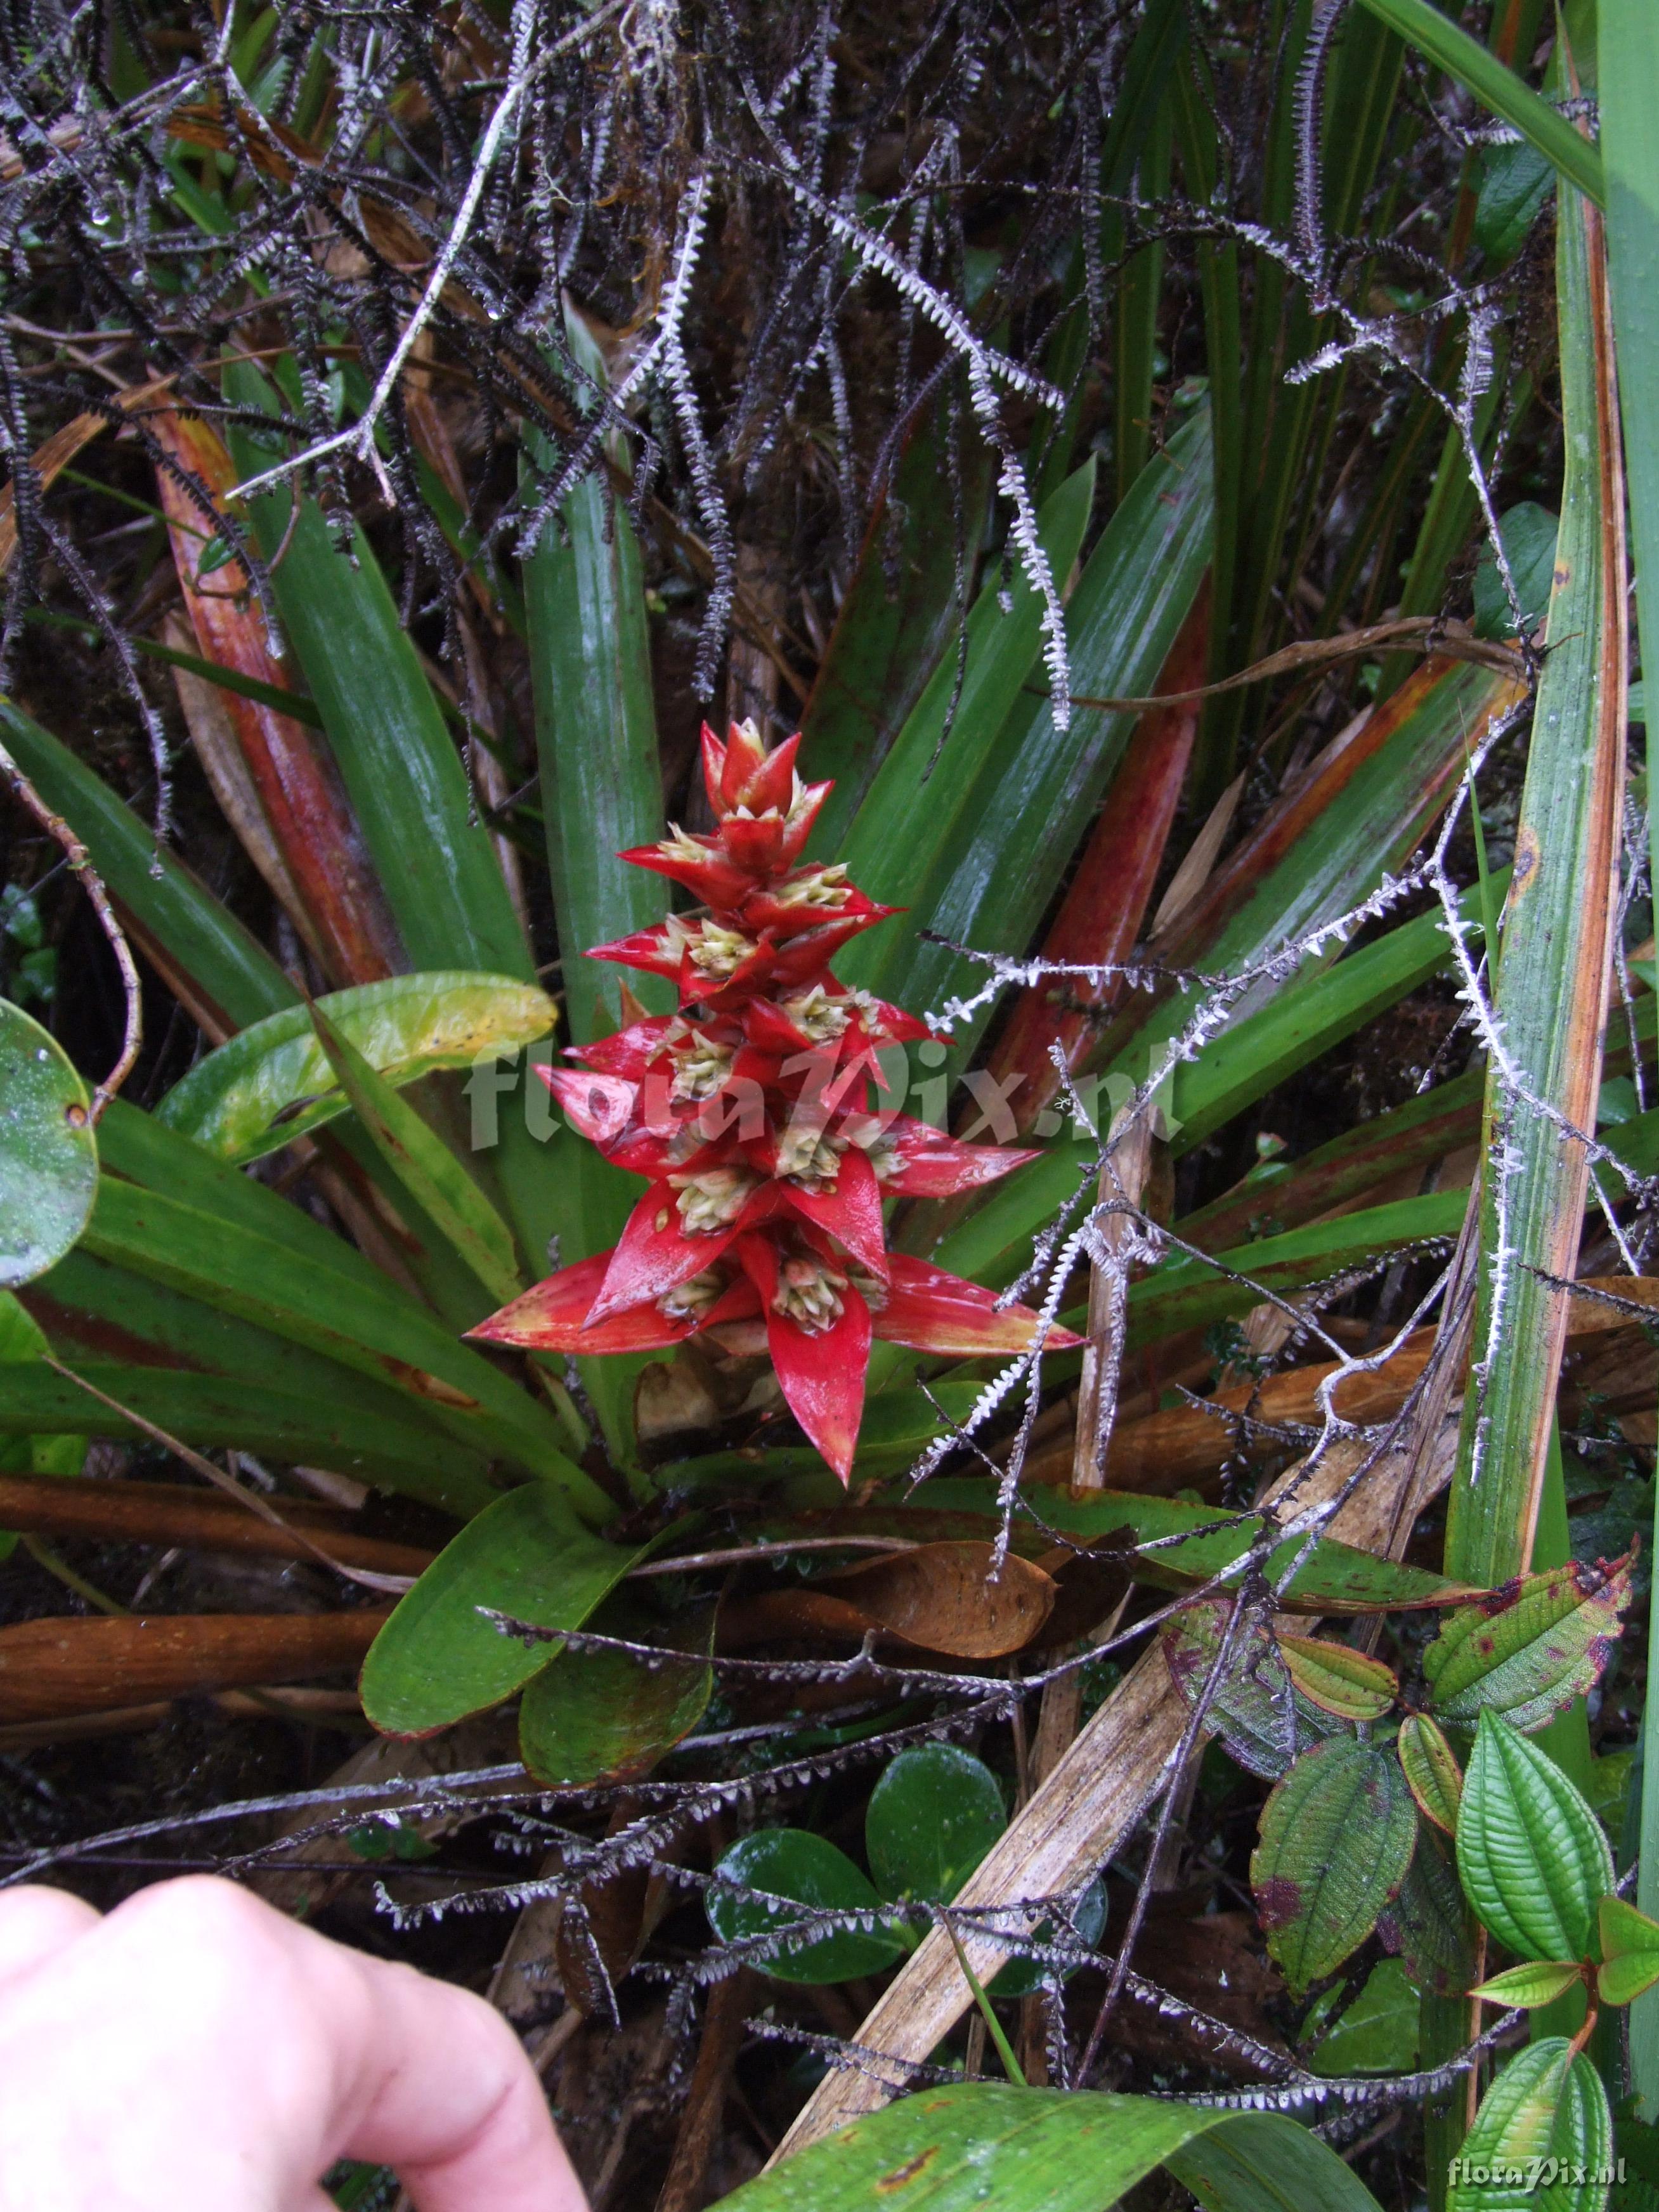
424 1166
48 1156
1531 1855
438 1657
198 938
22 1343
1531 1648
1349 1684
909 815
808 1870
396 758
964 2147
1542 2140
396 1450
932 1816
1497 88
1336 1839
1432 1772
273 1082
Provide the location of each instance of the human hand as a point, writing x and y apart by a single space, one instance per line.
195 2051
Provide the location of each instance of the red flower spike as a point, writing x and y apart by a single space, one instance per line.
747 1113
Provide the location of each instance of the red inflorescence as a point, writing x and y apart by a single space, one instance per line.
752 1112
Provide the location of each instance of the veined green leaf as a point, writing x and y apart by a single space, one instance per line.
1531 1855
1346 1683
273 1082
1538 1982
48 1155
806 1869
1498 89
195 939
1375 2035
1430 1925
1546 2114
908 815
425 1165
959 2147
1432 1772
1630 1951
1251 1707
399 1450
1530 1649
22 1343
439 1658
1336 1839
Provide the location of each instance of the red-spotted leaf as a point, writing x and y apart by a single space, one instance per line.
1433 1773
1531 1855
1528 1650
1336 1840
1630 1947
1251 1707
1545 2120
1338 1681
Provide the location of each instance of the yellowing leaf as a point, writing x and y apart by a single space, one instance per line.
1350 1683
1433 1773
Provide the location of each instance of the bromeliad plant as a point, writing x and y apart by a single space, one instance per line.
751 1112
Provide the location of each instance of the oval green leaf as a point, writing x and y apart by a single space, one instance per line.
1433 1773
1544 2121
606 1715
48 1156
1529 1648
1538 1982
441 1656
933 1817
808 1870
272 1083
1021 1975
1350 1683
1336 1840
1531 1855
1377 2033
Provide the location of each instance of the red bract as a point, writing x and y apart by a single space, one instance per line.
754 1112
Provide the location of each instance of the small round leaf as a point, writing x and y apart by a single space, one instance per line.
792 1863
933 1817
48 1155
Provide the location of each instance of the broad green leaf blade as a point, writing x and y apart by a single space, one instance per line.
1544 2121
198 945
424 1166
1430 1925
603 1716
1432 1772
1497 88
1538 1982
1336 1839
1251 1707
438 1658
1552 994
392 1451
910 814
1530 1649
396 758
1376 2034
1338 1681
596 734
1037 787
932 1816
273 1082
1630 1947
48 1155
1531 1855
964 2146
808 1870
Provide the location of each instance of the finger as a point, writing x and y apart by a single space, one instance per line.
35 1921
448 2097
